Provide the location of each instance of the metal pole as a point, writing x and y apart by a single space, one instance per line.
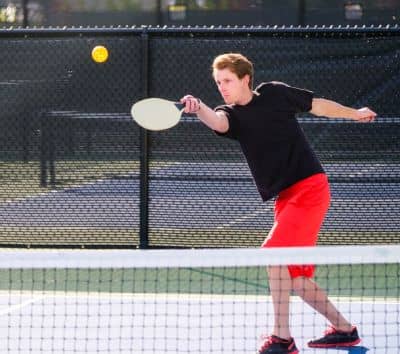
159 13
25 14
25 117
302 12
144 152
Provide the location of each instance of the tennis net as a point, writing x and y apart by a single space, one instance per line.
188 301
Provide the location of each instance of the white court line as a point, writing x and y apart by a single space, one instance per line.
182 297
50 193
243 218
74 186
14 308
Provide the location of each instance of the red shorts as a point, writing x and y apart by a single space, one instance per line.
299 213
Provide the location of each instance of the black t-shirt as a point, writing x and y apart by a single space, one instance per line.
276 149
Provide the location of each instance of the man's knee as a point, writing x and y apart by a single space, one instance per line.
298 285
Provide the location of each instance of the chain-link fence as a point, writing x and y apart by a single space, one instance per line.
77 171
200 12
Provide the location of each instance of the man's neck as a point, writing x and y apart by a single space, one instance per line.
246 98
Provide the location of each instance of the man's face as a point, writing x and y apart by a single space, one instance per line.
230 86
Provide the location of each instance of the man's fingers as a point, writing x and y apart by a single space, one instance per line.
366 115
187 102
367 119
191 104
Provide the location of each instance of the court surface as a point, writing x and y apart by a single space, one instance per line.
178 198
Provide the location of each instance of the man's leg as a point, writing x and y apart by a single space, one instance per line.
280 286
317 298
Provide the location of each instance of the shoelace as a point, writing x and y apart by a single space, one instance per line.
330 330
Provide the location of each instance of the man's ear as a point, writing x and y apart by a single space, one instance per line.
246 79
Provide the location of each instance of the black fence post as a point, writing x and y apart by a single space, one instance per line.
144 151
47 151
301 16
159 13
43 151
25 14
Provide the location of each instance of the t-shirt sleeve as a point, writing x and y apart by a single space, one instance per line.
232 131
296 99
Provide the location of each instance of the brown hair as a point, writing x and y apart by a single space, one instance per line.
237 63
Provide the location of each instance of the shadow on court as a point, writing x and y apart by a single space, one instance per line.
353 350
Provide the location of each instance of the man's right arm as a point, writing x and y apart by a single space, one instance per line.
217 121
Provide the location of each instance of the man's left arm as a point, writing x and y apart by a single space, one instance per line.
332 109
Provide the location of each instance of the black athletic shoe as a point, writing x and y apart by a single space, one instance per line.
334 338
276 345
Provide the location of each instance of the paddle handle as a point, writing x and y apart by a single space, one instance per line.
179 105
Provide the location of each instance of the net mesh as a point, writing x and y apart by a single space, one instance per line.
188 301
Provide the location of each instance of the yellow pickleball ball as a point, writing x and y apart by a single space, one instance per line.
100 54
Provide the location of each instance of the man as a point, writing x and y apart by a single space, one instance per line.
283 165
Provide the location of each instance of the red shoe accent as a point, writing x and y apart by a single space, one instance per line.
278 345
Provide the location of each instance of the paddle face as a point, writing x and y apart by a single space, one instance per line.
156 113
